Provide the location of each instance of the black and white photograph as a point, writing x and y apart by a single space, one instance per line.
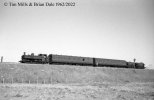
77 50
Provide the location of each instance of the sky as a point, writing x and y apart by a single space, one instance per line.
113 29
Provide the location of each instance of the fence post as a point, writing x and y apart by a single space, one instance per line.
12 80
43 81
22 81
3 80
37 80
50 80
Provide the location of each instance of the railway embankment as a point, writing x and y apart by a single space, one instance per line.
52 74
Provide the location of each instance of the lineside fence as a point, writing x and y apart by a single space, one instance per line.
29 81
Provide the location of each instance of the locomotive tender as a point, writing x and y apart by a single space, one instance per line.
76 60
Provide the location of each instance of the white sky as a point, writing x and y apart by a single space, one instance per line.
114 29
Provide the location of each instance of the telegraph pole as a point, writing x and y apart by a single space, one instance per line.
1 59
134 62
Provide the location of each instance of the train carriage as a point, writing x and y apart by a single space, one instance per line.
110 62
63 59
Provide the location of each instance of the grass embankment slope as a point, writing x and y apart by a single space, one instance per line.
39 73
75 83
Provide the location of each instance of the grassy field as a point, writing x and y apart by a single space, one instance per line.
35 73
63 82
104 91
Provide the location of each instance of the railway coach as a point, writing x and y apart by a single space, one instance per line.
110 62
71 60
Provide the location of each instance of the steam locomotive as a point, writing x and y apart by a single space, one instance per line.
76 60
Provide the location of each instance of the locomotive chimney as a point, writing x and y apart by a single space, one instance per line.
24 53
